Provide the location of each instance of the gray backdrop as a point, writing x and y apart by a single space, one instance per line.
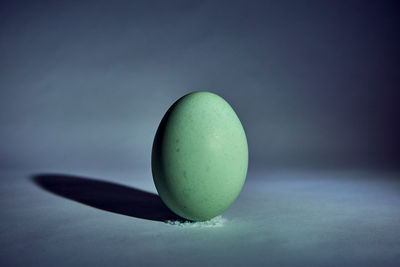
84 84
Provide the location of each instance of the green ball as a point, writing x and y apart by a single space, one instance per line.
200 156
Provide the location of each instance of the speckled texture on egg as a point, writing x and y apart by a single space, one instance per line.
200 156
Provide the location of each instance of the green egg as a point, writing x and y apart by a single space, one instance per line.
200 156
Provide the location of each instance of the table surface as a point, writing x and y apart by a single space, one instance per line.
281 218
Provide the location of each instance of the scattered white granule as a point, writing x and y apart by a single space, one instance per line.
214 222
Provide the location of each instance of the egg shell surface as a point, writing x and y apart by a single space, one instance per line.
199 156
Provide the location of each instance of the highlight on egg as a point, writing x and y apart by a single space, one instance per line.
200 156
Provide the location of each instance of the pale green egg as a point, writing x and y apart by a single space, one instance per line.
200 156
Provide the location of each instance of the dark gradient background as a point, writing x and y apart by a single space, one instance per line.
84 85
